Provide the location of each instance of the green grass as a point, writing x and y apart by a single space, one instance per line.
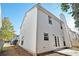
3 49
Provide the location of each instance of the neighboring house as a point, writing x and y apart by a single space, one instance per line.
16 37
73 36
14 41
42 31
77 36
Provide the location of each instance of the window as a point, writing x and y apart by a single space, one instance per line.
53 34
64 43
61 27
46 36
22 42
50 21
23 37
55 41
58 41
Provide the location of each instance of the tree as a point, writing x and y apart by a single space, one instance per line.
7 30
74 11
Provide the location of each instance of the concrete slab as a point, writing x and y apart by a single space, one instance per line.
54 54
69 52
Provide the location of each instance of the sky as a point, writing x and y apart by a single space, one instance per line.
16 12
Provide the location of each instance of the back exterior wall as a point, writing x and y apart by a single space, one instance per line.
53 30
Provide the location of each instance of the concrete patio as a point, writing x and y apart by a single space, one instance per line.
69 52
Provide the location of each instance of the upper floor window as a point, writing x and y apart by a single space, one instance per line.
46 36
23 37
50 21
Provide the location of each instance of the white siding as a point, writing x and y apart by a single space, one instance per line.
66 35
43 26
35 24
28 30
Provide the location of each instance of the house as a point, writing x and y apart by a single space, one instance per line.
74 37
41 31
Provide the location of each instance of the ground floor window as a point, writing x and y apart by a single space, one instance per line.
46 37
22 42
57 43
64 43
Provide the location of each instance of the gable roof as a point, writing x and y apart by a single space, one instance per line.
47 12
38 6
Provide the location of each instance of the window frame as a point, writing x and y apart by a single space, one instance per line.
22 42
50 21
55 40
61 27
46 37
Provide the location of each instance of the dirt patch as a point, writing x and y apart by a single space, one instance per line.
14 51
18 51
